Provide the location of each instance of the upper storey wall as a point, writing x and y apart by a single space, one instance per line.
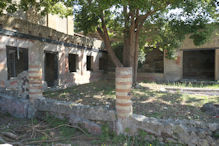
64 25
22 26
212 43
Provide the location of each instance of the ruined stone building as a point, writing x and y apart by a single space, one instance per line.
37 52
192 62
40 52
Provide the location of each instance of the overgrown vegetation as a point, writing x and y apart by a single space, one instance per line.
142 138
52 130
37 131
147 99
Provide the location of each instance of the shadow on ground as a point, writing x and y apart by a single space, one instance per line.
146 101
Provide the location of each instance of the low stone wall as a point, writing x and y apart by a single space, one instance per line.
177 131
140 77
150 76
165 130
203 91
22 26
17 107
78 110
16 86
169 130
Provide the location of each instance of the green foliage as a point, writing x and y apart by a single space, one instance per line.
163 29
110 138
64 130
61 7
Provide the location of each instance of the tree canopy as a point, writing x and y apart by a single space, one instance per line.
136 23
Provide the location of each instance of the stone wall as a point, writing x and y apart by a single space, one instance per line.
38 39
164 130
141 76
17 107
176 131
173 69
54 21
65 78
22 26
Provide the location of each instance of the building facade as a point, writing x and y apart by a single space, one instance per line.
192 62
34 57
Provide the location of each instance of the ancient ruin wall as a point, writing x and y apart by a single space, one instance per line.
40 39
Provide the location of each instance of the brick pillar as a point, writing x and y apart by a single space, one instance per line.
35 82
123 98
35 54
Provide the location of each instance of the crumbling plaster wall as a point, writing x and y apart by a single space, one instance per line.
173 69
14 24
82 75
37 48
65 77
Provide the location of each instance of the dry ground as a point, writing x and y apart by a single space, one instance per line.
147 99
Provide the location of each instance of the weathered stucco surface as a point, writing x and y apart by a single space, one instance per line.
173 69
61 44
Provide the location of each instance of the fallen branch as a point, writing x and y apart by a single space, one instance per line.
9 135
51 140
67 125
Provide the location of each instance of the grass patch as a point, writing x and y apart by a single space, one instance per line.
200 84
61 125
147 99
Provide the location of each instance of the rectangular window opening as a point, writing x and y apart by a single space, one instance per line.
17 61
101 63
89 62
72 60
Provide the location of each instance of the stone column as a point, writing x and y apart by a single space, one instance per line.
123 98
35 71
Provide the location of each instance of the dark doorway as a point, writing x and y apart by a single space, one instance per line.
72 60
51 68
17 61
89 63
199 64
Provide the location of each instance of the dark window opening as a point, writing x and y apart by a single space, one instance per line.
72 60
199 64
153 61
89 62
101 63
51 68
17 61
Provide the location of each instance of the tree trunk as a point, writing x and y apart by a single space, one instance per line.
136 60
104 35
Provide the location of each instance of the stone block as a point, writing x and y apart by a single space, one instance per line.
17 107
91 127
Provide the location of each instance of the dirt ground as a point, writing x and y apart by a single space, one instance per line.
148 99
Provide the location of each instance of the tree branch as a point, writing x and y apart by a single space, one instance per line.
105 36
